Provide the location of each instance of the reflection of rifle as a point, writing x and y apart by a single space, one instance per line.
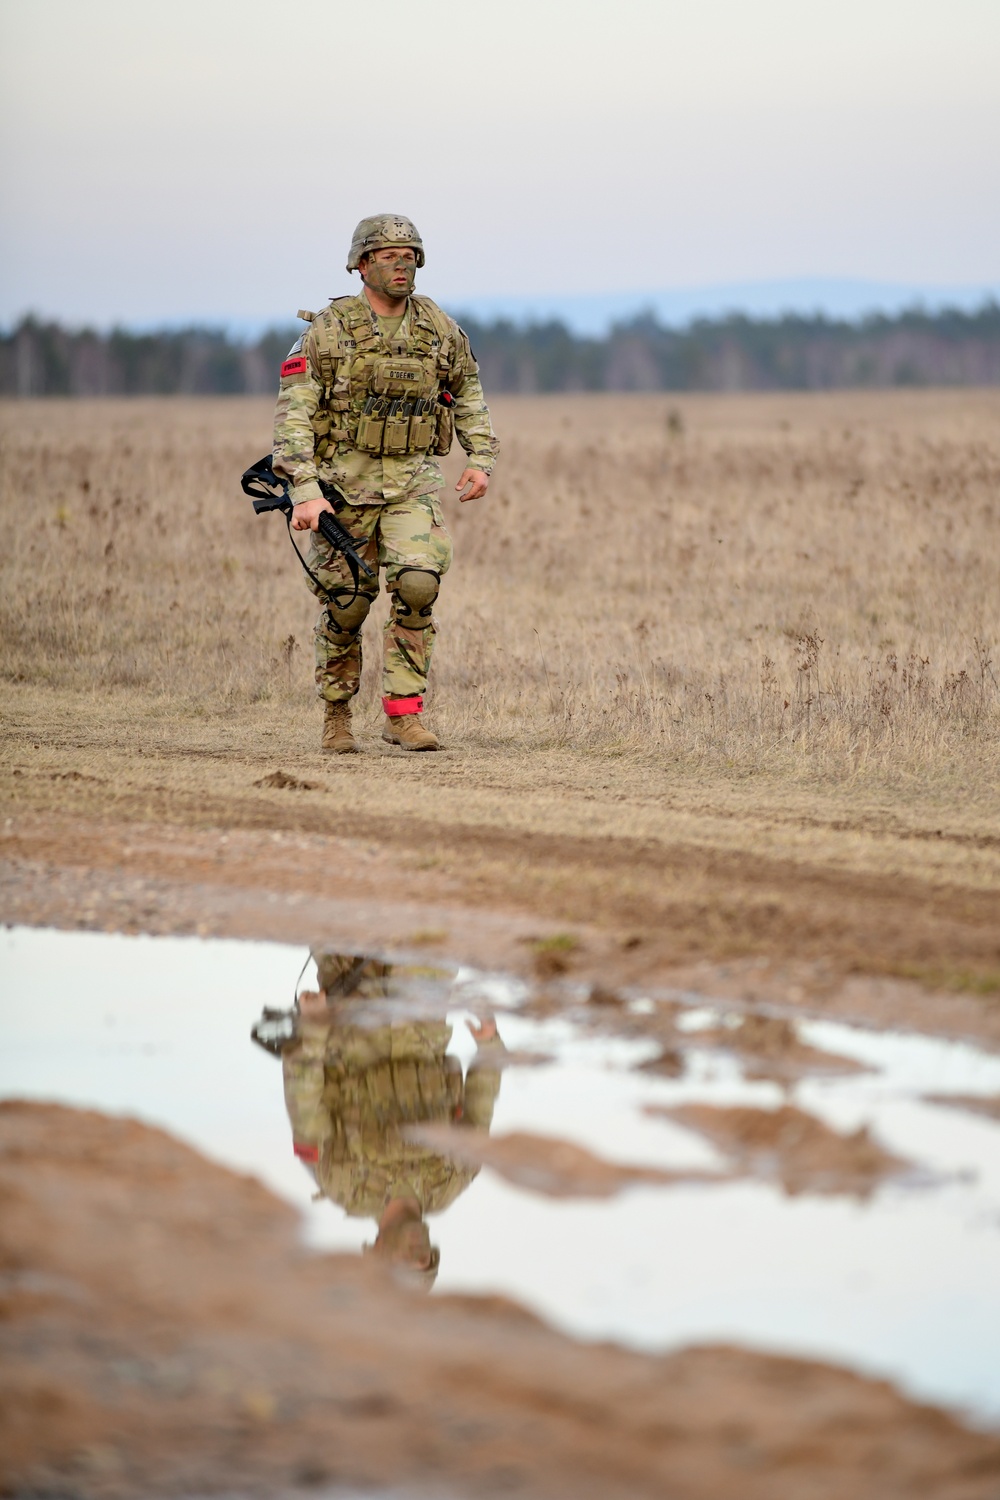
269 491
275 1030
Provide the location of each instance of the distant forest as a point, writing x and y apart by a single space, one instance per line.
734 353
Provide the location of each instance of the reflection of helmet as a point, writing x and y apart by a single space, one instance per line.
420 1278
405 1272
381 232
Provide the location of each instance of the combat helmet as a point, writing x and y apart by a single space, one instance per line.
382 232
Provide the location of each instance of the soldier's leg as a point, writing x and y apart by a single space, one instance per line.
338 629
416 551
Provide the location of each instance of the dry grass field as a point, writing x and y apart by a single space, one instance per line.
735 658
798 583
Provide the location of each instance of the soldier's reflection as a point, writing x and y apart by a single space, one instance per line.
351 1090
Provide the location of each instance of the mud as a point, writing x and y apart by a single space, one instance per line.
282 781
771 1048
792 1148
138 876
542 1165
164 1332
988 1107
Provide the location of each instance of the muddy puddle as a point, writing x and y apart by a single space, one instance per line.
656 1171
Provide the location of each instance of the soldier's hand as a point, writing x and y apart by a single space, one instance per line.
477 481
305 517
483 1029
312 1004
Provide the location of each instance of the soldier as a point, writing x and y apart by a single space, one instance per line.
370 394
350 1092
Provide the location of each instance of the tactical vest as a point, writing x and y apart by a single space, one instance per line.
380 396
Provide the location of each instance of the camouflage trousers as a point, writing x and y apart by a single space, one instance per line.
401 534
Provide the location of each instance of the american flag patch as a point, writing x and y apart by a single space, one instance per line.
294 366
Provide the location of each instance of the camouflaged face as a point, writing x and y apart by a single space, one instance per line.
382 278
381 231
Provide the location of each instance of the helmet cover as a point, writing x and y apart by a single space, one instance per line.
384 232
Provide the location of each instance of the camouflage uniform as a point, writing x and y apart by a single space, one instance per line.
351 1091
393 497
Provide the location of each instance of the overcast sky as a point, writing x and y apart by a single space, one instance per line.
209 158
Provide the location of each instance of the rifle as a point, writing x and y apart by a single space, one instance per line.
269 491
275 1030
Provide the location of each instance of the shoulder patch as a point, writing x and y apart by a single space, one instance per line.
297 346
294 367
465 336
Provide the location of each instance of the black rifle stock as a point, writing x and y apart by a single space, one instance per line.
269 491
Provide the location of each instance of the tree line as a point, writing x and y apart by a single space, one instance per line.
733 353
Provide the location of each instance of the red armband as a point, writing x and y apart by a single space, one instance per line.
395 707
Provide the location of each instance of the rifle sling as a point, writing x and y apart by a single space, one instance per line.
325 593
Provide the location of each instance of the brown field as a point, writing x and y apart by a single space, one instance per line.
803 584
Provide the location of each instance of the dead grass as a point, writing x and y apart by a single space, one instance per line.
799 585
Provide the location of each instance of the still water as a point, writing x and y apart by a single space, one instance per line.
901 1282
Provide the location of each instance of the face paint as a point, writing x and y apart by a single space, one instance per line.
381 275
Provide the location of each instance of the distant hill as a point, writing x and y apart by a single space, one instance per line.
952 346
841 298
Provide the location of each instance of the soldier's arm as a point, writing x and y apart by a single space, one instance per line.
304 1077
294 453
472 421
482 1081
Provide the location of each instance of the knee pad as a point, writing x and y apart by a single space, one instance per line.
414 593
345 614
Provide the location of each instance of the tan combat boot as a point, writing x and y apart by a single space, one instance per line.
337 736
407 730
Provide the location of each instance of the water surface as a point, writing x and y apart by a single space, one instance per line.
901 1283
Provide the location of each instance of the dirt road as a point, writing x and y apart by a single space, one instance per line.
824 898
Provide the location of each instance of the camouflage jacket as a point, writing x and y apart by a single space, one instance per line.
350 1093
323 389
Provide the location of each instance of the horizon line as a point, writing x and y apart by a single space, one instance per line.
836 299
